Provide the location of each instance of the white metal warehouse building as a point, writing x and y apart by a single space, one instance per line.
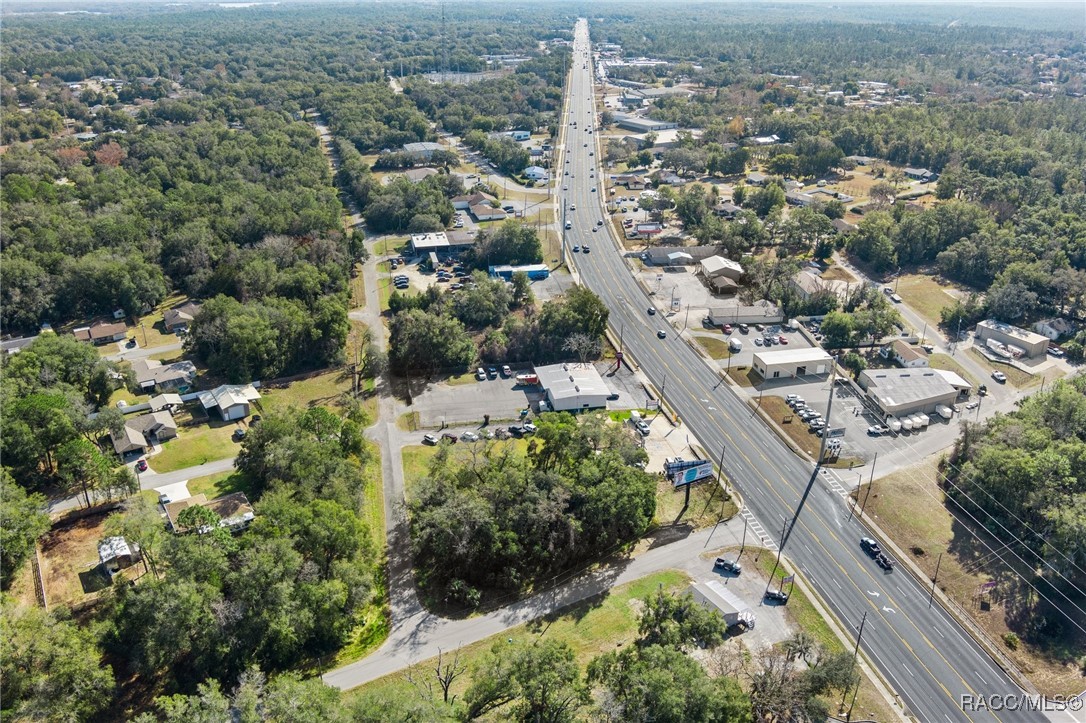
902 392
573 387
792 363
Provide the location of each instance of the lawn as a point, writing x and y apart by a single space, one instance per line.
195 445
924 295
591 627
836 273
707 504
358 288
745 376
948 363
1015 376
218 485
390 245
716 348
326 388
168 356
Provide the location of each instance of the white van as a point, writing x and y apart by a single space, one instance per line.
735 345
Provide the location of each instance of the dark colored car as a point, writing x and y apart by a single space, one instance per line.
239 434
516 430
777 596
449 436
728 565
870 546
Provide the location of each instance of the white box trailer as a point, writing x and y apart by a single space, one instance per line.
714 596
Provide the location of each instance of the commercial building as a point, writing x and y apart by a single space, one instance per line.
1010 341
486 212
425 150
807 284
716 266
901 392
463 203
637 124
761 312
535 272
676 256
573 387
714 596
792 363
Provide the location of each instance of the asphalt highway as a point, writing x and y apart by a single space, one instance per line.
921 651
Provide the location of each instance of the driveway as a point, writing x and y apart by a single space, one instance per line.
448 404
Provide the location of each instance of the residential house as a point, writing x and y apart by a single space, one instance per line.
921 174
764 140
631 181
231 401
464 203
153 374
1054 328
139 433
841 226
115 554
415 175
905 355
180 317
726 209
757 179
670 179
234 511
101 332
714 267
796 198
536 173
808 284
486 212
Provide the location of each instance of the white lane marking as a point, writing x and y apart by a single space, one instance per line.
838 584
981 677
873 594
888 610
909 671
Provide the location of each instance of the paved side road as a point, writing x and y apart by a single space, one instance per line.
150 480
423 635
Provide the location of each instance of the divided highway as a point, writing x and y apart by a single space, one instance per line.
921 651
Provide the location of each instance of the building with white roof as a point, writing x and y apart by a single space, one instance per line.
1017 342
715 266
573 387
901 392
231 400
792 363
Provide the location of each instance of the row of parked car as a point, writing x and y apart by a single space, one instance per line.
811 417
492 373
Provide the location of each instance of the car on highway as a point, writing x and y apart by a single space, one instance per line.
141 466
652 311
585 249
429 439
565 188
595 229
878 430
728 565
870 546
999 377
593 189
885 562
661 334
776 596
576 249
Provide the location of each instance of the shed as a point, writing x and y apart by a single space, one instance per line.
115 554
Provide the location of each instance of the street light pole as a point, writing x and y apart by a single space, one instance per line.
829 407
855 654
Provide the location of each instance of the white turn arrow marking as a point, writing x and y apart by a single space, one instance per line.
874 594
888 610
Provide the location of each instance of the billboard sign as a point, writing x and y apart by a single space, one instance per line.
838 432
691 475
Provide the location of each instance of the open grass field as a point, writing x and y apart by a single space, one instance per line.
390 245
745 376
837 273
325 389
149 331
195 445
591 627
708 504
926 296
716 348
217 485
910 507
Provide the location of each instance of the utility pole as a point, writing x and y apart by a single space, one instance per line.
855 654
743 545
829 406
933 579
870 483
720 471
780 549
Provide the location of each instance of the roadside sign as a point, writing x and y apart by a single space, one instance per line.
837 432
691 475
